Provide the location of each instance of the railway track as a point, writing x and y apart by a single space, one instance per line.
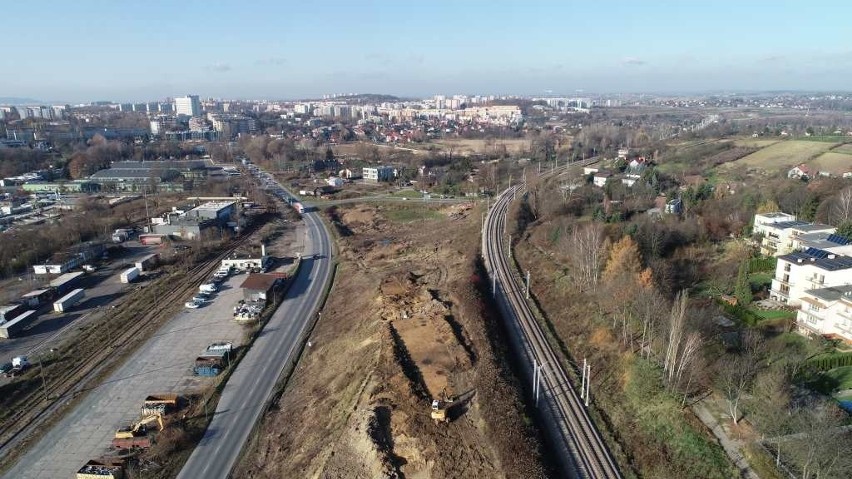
589 454
80 377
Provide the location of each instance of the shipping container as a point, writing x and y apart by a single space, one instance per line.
12 328
66 282
148 262
128 276
64 303
151 239
11 311
38 297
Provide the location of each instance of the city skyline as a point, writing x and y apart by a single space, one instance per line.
133 51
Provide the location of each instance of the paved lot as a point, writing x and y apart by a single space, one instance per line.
102 288
162 365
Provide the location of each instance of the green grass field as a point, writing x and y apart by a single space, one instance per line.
782 155
773 313
407 194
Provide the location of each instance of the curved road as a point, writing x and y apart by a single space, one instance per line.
575 437
252 383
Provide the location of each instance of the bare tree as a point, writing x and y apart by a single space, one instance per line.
841 207
677 323
736 373
586 250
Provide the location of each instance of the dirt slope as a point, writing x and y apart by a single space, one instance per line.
405 323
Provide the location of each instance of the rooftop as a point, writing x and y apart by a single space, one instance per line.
832 293
260 282
819 258
776 214
822 240
783 225
814 227
213 205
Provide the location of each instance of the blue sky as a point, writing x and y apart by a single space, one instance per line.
134 50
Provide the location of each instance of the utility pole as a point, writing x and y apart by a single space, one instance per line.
528 284
588 382
535 380
583 381
493 285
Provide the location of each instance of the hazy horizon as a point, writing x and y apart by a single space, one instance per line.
133 51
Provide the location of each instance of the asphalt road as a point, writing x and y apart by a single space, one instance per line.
251 385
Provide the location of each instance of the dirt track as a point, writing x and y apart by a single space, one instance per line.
404 323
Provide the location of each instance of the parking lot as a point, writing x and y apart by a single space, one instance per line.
161 365
102 287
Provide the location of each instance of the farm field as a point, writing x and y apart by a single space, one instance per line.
783 155
847 149
465 146
836 163
754 142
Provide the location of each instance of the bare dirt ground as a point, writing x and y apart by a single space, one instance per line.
405 322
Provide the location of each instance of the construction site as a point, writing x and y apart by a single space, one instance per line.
406 364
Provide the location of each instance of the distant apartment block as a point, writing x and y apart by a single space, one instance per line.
188 105
381 173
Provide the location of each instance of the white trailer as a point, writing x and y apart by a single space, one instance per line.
148 262
64 303
129 275
11 328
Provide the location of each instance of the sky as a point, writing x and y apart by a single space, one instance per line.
135 50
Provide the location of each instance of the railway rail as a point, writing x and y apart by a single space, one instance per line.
576 430
80 377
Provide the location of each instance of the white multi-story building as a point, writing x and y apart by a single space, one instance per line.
188 105
831 242
801 271
381 173
826 312
780 231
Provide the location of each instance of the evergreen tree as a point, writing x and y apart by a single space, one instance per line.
742 290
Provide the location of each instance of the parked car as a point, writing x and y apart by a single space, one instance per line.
192 305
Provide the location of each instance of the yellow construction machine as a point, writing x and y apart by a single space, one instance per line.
140 428
440 407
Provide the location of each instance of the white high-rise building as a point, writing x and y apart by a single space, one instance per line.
188 105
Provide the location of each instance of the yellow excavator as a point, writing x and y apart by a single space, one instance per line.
440 407
140 428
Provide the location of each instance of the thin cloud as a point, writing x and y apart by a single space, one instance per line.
272 61
219 67
634 61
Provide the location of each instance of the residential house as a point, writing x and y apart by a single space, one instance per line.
826 241
801 271
826 312
674 207
379 173
779 237
601 178
801 172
